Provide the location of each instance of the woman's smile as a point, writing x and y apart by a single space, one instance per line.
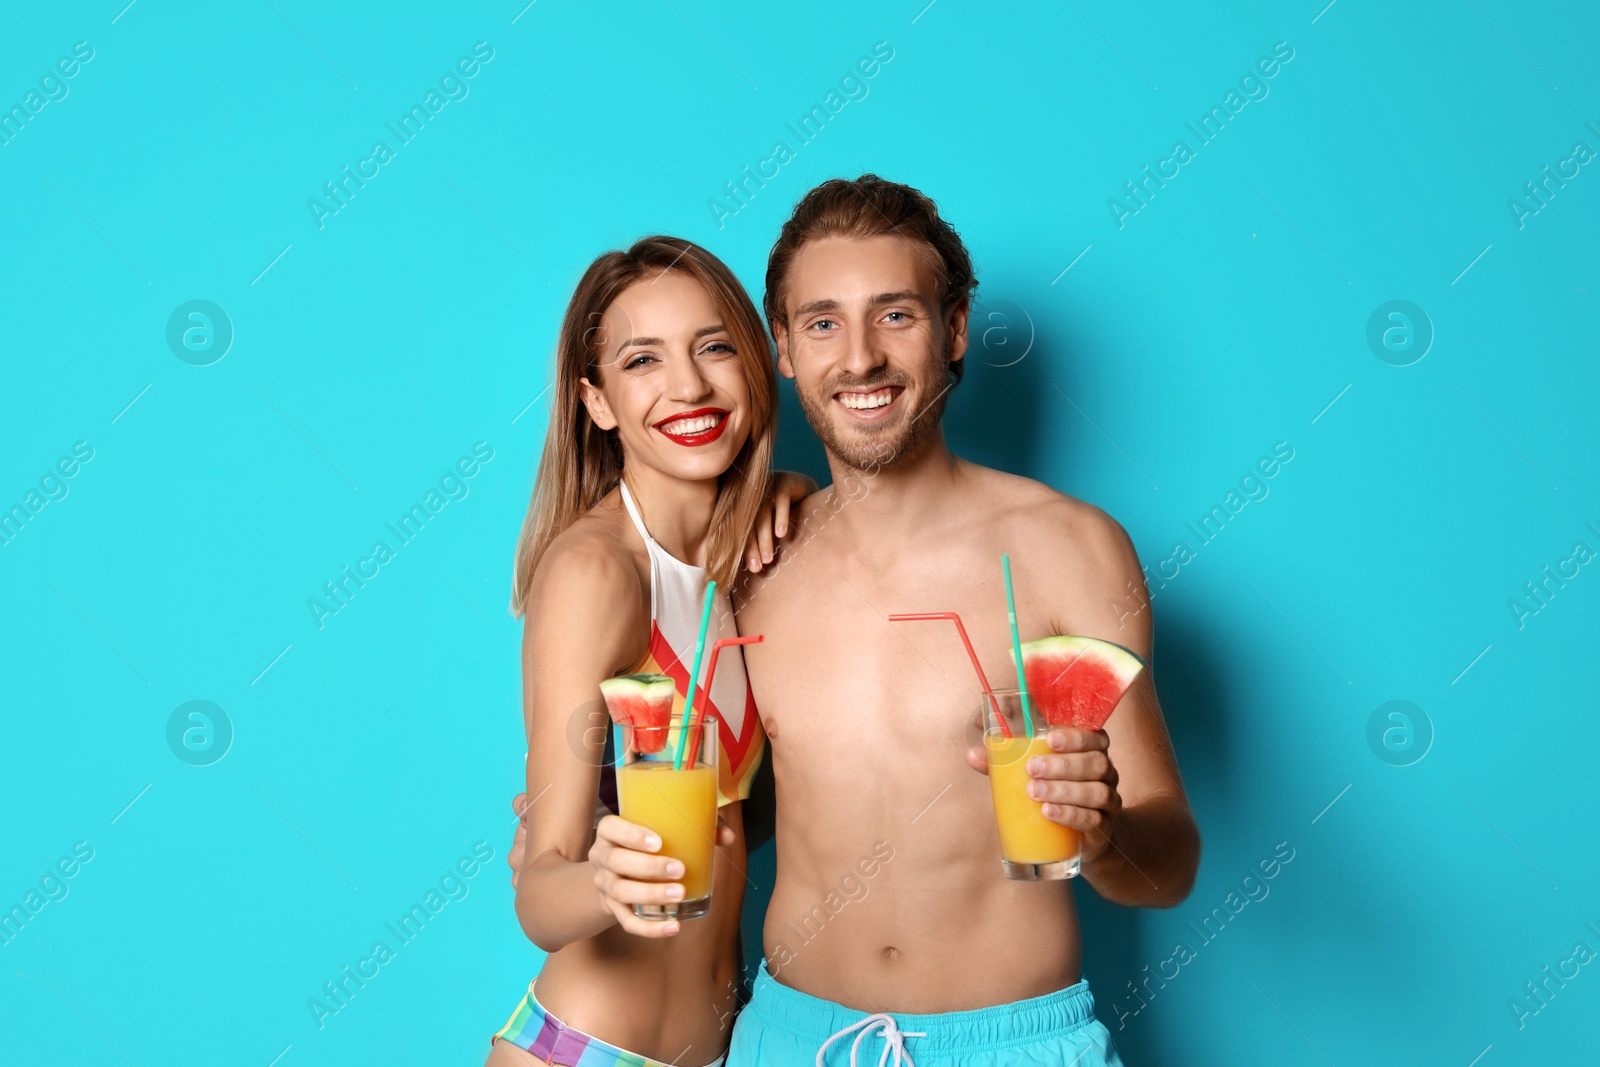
694 428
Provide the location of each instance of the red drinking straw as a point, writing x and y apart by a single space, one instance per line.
924 616
705 690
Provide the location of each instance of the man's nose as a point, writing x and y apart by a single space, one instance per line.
861 356
685 382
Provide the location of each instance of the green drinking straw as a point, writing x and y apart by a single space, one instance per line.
1016 647
694 672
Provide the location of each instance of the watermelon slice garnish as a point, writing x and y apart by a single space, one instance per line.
643 702
1077 681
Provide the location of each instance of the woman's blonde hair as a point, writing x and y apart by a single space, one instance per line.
582 463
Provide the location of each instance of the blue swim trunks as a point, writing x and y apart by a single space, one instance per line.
785 1026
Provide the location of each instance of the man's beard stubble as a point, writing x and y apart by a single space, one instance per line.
871 451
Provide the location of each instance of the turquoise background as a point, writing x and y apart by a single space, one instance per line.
1228 314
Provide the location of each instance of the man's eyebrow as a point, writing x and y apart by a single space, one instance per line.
645 342
900 297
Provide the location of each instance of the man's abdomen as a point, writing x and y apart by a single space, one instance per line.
891 914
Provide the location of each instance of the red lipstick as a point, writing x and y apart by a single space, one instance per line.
699 437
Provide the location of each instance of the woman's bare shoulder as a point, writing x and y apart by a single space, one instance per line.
589 561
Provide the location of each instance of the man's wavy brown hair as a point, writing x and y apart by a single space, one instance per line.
870 206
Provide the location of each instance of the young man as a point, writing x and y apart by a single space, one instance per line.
868 720
892 925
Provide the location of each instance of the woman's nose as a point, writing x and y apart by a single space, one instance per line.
685 382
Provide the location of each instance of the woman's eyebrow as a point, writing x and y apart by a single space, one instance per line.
645 342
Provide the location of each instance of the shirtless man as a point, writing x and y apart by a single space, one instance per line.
868 721
892 927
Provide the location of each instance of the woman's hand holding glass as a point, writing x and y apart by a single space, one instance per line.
627 868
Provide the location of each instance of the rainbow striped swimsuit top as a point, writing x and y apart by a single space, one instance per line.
677 594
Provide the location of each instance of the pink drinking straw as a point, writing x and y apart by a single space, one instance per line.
705 690
924 616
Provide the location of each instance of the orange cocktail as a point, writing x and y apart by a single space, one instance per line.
1032 848
680 806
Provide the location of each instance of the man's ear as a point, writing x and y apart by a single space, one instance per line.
780 334
956 323
595 401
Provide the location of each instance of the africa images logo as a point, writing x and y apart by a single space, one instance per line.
453 485
1253 87
452 87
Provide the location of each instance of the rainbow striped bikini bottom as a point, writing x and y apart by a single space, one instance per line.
554 1042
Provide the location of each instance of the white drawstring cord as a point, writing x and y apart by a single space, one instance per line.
893 1040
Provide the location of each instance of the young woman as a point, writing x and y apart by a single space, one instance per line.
656 471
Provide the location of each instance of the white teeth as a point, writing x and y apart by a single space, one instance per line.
685 427
866 401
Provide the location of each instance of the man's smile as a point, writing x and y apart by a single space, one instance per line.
869 404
